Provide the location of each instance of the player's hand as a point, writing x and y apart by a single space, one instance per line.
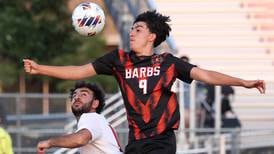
259 84
30 66
42 146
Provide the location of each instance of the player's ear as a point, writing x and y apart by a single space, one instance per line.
152 37
95 103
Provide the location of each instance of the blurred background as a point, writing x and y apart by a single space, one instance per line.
235 37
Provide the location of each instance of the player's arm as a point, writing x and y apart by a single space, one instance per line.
75 140
62 72
216 78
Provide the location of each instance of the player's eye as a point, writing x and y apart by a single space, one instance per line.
74 95
84 94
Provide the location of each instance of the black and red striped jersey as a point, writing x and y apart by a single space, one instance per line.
145 83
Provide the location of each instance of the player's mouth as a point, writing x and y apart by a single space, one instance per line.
77 103
131 39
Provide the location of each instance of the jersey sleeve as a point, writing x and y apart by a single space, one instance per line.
183 69
105 64
91 123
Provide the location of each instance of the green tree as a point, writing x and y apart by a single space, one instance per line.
41 30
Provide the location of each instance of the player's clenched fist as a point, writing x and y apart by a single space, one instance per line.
30 66
42 146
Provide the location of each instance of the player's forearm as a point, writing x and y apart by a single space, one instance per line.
62 72
217 78
66 142
65 72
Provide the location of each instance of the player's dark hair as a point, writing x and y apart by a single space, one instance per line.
97 92
185 58
157 24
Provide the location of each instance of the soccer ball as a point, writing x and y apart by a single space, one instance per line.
88 19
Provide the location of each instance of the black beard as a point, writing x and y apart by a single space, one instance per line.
84 109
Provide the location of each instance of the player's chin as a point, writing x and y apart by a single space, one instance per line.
40 151
76 106
133 47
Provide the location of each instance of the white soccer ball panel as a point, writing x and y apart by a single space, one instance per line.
88 19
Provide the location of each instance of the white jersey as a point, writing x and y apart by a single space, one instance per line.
103 138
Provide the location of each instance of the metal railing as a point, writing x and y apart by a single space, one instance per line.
28 128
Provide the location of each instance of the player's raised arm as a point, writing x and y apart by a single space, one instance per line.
216 78
62 72
74 140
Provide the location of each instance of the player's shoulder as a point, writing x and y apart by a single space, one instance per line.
118 52
167 55
92 115
95 117
112 54
112 51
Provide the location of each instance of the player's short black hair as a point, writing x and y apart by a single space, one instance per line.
185 58
97 91
157 24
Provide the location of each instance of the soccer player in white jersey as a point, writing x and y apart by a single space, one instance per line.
94 135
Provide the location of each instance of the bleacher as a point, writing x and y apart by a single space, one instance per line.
222 35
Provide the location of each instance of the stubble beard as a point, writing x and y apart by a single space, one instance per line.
79 111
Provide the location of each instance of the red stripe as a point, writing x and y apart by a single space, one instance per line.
137 132
172 105
169 74
96 20
83 22
157 92
162 124
155 97
116 138
122 82
145 111
124 59
121 54
131 98
167 115
176 125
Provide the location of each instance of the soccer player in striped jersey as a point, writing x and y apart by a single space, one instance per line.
145 79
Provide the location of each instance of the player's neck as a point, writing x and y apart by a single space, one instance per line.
144 52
